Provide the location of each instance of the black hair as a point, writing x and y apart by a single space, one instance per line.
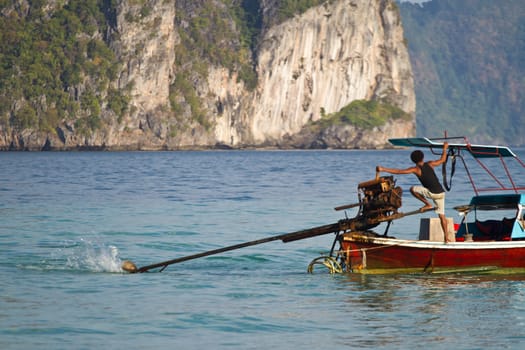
417 156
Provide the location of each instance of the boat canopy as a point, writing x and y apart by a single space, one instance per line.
480 153
477 151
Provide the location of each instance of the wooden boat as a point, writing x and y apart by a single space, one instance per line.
481 244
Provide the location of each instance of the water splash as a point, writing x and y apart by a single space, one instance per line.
94 257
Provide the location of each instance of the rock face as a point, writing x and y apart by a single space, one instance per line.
311 64
324 60
348 136
321 61
149 62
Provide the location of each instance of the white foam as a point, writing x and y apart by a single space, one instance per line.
94 256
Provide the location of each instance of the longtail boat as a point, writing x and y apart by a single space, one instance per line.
489 238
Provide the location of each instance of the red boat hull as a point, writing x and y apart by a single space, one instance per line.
364 254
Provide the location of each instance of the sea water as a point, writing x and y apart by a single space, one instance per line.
68 220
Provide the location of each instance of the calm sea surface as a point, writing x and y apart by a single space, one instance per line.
68 220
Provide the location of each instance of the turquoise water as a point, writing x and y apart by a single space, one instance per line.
68 220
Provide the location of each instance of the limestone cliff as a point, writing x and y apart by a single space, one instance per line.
321 60
312 64
326 58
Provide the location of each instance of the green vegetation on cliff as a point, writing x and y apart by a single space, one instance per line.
46 55
289 8
222 36
362 114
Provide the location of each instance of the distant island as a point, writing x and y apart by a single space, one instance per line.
159 75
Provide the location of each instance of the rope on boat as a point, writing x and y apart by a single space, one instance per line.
453 155
329 262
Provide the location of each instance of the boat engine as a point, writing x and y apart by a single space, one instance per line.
379 201
379 197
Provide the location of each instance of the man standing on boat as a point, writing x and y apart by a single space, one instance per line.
431 187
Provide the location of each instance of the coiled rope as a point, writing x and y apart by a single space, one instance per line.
331 263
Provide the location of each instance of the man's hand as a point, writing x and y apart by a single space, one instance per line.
378 170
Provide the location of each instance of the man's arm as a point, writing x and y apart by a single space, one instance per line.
443 158
411 170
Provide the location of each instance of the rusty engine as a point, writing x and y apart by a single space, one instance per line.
379 201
